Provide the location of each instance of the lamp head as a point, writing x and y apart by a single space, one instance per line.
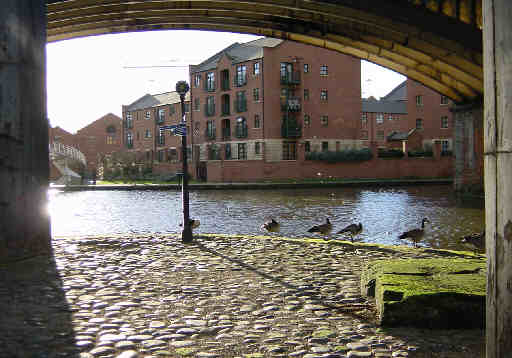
182 87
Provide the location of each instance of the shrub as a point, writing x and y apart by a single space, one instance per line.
391 153
351 155
420 153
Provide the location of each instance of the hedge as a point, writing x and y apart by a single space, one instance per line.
351 155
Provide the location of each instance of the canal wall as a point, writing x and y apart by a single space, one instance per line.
376 168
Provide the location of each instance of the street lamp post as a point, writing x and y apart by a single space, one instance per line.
186 235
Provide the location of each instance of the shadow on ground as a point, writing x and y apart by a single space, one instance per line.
35 318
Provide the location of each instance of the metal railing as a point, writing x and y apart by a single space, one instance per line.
59 149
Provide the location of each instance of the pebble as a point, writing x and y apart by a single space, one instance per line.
153 296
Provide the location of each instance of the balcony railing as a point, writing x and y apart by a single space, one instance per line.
224 84
291 104
240 81
209 87
225 109
210 134
209 110
291 128
226 133
241 131
290 78
129 145
241 105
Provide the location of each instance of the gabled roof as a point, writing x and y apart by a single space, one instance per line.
398 136
383 106
108 115
155 100
399 93
238 53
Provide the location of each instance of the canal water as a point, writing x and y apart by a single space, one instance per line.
384 212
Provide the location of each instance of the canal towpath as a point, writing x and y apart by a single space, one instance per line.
261 185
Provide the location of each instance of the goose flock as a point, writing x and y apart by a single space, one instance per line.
475 241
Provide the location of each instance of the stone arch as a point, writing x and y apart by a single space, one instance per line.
435 42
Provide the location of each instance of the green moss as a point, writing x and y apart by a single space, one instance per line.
324 333
185 351
448 293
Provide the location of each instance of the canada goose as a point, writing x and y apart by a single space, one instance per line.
475 241
271 226
194 223
415 235
324 228
352 230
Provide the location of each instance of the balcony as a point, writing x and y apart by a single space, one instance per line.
209 110
225 110
291 128
291 104
224 85
210 87
210 134
241 105
224 81
290 78
241 131
160 120
240 80
226 133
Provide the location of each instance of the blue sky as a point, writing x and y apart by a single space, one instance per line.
88 77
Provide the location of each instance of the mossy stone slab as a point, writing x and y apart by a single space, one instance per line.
427 293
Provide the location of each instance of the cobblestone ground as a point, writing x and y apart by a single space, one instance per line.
153 296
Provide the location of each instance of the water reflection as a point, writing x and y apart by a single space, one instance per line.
385 213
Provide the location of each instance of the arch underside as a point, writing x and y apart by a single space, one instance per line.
442 52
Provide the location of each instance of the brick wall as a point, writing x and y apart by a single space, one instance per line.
235 171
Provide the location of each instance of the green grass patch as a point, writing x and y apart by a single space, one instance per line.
433 293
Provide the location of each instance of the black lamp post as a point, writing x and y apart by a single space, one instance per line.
186 235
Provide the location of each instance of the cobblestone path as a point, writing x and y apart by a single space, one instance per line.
152 296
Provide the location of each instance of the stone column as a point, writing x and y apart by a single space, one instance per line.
24 169
468 147
498 174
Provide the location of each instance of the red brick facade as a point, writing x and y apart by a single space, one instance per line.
103 136
141 136
410 105
257 108
268 101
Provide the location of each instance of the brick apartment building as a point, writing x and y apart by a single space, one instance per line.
411 115
256 109
268 101
141 135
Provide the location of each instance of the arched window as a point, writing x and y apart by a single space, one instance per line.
111 129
